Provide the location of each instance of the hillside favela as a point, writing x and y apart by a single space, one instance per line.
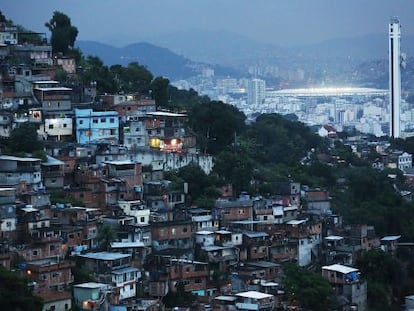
136 179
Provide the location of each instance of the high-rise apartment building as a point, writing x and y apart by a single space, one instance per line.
395 77
256 92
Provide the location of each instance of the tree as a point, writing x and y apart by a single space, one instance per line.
3 19
234 168
216 125
93 69
384 276
200 185
24 138
136 78
105 236
15 294
159 92
180 297
63 33
282 141
307 289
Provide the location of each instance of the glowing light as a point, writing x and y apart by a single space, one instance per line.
155 142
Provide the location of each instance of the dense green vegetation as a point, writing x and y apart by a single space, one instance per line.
15 294
308 289
63 33
384 274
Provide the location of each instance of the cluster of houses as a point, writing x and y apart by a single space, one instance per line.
110 153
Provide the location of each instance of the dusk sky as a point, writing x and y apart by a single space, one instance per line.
287 22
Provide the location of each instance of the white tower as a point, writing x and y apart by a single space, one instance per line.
256 92
395 77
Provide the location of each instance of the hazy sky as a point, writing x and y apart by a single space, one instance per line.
283 22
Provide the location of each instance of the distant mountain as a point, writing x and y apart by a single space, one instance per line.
185 54
214 47
229 49
160 61
360 48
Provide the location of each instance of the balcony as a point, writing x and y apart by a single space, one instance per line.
216 259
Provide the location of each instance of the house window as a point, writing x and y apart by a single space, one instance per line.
185 229
65 125
80 121
103 120
142 219
95 120
173 231
111 120
34 253
50 126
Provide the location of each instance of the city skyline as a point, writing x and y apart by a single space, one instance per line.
275 22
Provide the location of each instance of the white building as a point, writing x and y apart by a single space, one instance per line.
253 300
256 92
395 77
405 161
137 209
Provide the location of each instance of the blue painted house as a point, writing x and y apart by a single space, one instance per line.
94 126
